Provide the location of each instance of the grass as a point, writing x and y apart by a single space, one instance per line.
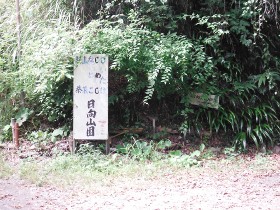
5 169
89 171
92 169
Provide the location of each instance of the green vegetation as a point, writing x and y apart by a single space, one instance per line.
161 53
90 168
5 169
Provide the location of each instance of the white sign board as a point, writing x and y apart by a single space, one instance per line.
90 94
211 101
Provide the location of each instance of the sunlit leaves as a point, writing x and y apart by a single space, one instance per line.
151 60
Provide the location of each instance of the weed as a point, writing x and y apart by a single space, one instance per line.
30 170
230 152
208 154
5 170
184 160
159 135
39 137
260 161
142 150
87 149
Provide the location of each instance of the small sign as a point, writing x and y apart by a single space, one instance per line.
90 94
201 99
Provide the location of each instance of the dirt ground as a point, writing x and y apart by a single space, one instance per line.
220 188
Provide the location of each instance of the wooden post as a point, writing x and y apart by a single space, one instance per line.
107 148
153 119
13 122
15 132
16 135
73 146
154 126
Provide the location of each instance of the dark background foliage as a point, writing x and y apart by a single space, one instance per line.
161 52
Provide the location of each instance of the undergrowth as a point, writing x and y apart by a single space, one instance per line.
89 168
5 169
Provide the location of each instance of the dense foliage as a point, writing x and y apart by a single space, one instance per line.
161 53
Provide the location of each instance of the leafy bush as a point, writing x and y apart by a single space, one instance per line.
165 63
6 134
246 66
160 52
41 78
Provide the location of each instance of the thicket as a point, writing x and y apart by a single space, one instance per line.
161 53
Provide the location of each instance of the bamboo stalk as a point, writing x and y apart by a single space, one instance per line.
18 28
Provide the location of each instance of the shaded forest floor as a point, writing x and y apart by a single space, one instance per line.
239 182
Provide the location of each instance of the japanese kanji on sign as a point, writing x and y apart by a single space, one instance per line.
91 97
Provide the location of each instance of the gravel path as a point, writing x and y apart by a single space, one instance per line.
204 189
